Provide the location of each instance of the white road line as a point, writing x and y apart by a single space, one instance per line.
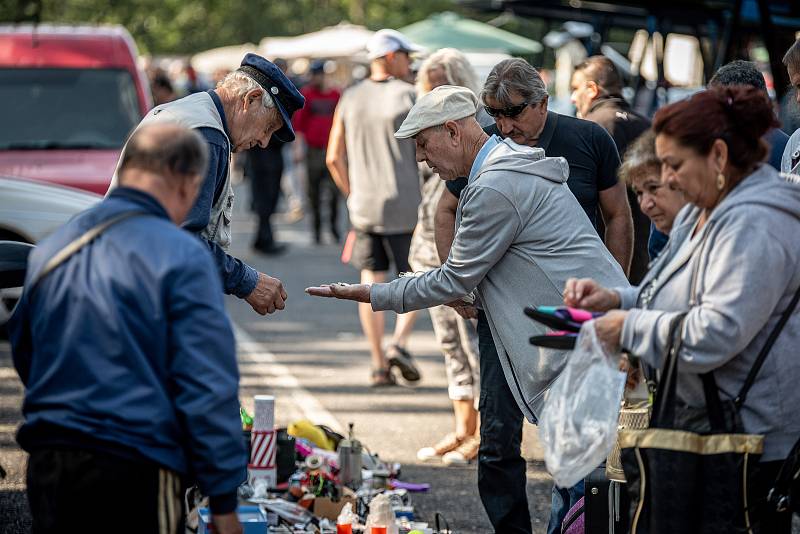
250 350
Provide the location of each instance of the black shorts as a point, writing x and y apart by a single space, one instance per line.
375 252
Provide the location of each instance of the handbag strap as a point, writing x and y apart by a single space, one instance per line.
77 244
716 417
713 404
664 402
751 376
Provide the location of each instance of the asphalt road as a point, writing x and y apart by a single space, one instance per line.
313 358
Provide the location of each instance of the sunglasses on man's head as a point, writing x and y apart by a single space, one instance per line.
510 111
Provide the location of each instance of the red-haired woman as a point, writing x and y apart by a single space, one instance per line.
731 264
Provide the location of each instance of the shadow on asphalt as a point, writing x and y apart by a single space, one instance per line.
461 484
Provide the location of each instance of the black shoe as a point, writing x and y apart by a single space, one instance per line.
400 358
382 378
274 249
335 234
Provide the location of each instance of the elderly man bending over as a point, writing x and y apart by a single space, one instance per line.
520 234
248 106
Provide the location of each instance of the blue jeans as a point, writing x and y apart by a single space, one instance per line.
563 500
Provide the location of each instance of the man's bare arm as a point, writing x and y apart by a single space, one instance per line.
336 156
619 224
444 223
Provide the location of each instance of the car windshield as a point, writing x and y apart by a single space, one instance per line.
66 108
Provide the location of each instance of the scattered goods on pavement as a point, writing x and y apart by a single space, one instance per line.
309 478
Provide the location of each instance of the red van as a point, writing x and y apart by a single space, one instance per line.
69 96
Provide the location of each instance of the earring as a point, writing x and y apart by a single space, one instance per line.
721 181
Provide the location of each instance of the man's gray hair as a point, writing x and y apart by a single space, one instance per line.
456 67
514 76
239 83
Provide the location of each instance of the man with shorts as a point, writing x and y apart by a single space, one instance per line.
379 176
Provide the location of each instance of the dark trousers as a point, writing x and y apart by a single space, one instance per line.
562 501
89 492
764 516
501 469
319 180
264 169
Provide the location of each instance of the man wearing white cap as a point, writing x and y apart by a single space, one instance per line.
520 234
378 175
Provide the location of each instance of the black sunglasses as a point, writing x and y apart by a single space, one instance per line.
510 111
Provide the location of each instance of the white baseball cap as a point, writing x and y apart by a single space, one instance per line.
386 41
445 103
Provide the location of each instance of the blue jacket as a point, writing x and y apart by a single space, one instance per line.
238 278
127 347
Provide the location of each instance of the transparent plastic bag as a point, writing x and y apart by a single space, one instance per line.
578 426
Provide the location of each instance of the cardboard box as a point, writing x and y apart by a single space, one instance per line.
325 507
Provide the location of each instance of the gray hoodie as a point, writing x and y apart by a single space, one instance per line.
520 233
748 254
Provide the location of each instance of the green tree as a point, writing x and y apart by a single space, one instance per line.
188 26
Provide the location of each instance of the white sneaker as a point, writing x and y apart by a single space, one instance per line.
447 444
464 453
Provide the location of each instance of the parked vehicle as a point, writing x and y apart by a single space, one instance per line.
69 96
29 212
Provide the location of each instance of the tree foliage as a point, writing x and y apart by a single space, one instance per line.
188 26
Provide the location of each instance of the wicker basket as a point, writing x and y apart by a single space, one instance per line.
632 416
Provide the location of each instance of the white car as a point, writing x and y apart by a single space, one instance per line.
29 212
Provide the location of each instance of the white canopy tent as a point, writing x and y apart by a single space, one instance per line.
223 58
340 41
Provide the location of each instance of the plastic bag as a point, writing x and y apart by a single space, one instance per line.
578 426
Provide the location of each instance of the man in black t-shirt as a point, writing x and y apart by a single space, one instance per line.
597 95
516 97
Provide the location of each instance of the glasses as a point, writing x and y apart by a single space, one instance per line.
510 111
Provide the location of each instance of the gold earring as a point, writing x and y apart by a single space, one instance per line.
721 180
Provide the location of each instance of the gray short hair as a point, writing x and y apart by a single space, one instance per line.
792 57
456 67
514 76
639 158
239 83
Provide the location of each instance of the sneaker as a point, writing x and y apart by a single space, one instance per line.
448 443
382 378
400 358
295 214
464 453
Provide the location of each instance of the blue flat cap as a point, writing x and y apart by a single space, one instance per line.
283 92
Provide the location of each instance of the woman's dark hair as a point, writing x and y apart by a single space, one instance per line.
739 115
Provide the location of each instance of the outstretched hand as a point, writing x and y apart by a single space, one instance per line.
586 294
357 292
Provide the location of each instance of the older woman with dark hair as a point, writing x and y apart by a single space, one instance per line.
730 265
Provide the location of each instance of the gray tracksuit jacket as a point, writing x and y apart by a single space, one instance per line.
748 255
520 233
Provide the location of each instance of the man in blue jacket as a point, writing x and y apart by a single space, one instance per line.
128 357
